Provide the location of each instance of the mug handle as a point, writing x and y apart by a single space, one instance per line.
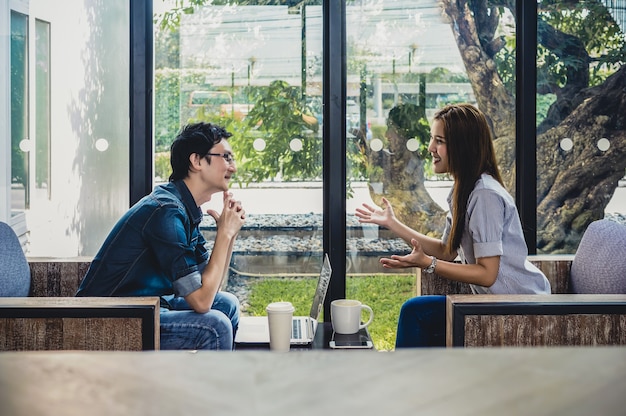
369 321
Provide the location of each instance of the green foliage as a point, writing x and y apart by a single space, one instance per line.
384 293
279 115
170 19
172 107
587 21
543 105
298 291
505 60
356 160
162 166
166 107
440 74
167 43
378 131
278 118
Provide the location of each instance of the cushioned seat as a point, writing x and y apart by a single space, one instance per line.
599 264
14 269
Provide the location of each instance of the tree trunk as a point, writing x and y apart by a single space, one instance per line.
577 185
491 95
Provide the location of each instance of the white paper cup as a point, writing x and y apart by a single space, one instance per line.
345 315
279 316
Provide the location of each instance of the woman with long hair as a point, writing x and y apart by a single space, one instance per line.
483 228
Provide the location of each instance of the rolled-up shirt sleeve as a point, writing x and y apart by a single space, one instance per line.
486 211
187 284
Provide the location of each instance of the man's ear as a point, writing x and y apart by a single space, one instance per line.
194 162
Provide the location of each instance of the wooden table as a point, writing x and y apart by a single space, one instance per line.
452 381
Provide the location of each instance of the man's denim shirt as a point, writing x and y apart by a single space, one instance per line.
155 249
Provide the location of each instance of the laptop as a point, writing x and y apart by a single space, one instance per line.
255 329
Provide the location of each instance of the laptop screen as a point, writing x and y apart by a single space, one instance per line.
322 287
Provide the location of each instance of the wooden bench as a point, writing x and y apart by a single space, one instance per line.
51 318
562 318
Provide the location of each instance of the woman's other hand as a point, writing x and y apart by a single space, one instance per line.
375 215
416 258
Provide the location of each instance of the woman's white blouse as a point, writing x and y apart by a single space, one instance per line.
493 228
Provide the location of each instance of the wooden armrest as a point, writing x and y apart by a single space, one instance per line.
82 323
524 320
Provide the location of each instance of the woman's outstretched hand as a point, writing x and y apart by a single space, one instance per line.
416 258
375 215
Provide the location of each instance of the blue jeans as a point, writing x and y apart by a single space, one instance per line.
184 329
422 322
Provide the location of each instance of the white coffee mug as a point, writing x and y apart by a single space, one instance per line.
345 315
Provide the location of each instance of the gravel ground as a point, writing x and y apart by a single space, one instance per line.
284 243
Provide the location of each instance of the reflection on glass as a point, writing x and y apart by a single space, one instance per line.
580 143
403 64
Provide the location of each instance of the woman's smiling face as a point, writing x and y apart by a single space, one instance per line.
438 147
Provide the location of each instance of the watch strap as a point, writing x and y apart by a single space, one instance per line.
431 267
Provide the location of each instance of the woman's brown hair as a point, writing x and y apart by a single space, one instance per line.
470 154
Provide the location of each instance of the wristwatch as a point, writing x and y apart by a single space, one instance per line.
433 264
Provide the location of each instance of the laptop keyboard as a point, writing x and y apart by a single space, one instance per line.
296 329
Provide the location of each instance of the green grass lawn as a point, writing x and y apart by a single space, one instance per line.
385 294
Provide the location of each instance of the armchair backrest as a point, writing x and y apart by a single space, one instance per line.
599 264
14 269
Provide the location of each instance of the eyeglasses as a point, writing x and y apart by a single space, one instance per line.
228 157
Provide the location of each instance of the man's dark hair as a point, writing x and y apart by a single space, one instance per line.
193 138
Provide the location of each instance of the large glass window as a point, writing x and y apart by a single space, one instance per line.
405 61
257 70
581 128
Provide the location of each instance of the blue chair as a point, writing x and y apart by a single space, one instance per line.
14 269
599 265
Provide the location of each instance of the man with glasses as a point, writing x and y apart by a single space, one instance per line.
156 248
